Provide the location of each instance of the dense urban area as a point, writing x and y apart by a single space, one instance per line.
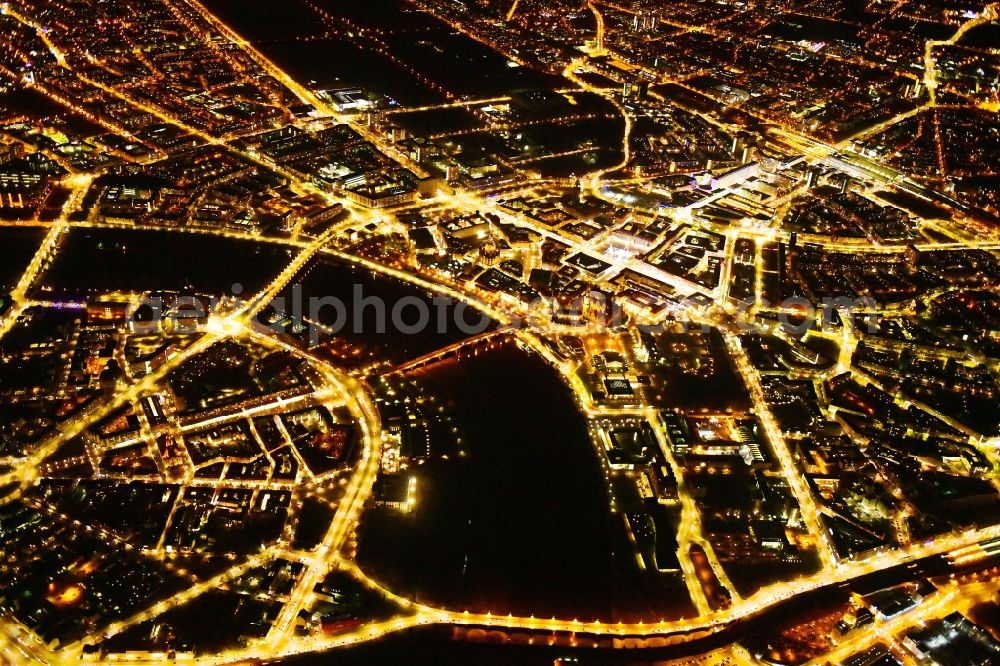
500 332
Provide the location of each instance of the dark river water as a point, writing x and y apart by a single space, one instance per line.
521 523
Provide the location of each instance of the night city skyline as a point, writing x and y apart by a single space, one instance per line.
500 332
